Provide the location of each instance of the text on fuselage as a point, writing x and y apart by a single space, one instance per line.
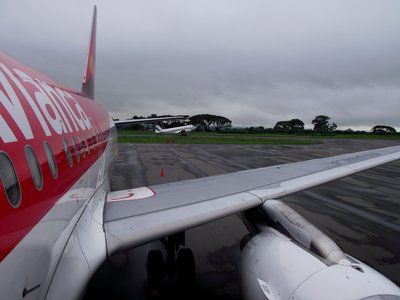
56 110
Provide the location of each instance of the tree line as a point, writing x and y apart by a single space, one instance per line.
208 122
321 124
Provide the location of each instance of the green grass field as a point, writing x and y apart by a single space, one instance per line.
211 138
129 136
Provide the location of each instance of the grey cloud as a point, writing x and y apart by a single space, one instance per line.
256 62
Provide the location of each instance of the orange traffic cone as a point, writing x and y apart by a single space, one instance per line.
162 172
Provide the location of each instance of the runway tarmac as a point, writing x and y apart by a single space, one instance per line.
361 212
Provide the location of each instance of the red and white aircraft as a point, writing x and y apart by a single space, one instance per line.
59 221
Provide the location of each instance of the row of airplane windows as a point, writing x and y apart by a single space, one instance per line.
9 176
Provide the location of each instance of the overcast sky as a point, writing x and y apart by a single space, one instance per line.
254 61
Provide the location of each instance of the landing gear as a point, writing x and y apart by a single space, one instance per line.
155 273
179 267
185 267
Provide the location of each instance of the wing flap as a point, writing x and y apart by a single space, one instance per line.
181 205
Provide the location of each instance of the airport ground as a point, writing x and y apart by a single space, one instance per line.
361 212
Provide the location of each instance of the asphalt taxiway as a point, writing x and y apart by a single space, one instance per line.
361 212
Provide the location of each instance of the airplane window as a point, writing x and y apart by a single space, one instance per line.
96 136
50 159
75 149
34 167
10 181
86 143
94 143
67 152
81 146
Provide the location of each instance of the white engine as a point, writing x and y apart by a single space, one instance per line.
306 264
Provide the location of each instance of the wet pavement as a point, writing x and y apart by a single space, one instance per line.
361 212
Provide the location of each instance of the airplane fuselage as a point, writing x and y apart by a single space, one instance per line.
179 129
56 149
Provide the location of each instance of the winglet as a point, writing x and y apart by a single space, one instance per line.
88 77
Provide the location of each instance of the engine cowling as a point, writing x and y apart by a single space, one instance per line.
277 266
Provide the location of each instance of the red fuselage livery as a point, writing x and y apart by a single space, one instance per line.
56 150
44 121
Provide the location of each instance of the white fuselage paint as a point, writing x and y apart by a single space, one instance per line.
70 236
179 129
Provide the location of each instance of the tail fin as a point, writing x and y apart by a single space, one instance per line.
158 129
88 77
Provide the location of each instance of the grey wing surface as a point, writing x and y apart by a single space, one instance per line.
136 216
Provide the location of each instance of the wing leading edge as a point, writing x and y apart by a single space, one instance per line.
134 217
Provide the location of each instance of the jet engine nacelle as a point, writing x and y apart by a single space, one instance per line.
283 266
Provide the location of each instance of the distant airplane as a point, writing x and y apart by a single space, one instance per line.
59 221
179 129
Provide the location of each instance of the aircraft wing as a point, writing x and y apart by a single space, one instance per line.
148 120
136 216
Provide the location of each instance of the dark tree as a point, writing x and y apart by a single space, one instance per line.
292 125
130 126
221 122
296 125
174 124
321 124
201 121
282 126
137 117
383 129
206 121
258 129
